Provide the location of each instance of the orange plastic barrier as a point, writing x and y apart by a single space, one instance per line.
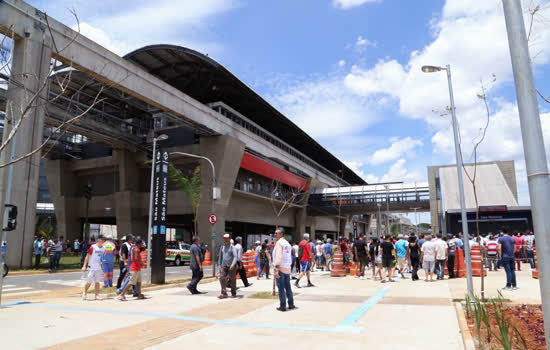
477 267
460 266
207 259
338 269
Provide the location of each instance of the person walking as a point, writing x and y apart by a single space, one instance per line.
240 267
327 253
305 257
37 247
282 255
413 251
124 256
135 271
507 249
257 248
227 261
452 245
92 262
319 257
197 258
388 257
427 257
108 262
402 257
529 242
441 252
58 252
296 251
265 260
517 252
492 253
76 247
361 252
51 255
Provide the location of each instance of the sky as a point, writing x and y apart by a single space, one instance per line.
348 71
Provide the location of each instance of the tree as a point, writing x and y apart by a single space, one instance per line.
17 114
191 186
282 198
394 228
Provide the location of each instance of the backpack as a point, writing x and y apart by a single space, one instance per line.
301 251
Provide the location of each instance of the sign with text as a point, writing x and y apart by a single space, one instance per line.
492 208
160 192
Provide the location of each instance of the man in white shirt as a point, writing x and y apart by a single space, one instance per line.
240 267
94 262
440 256
427 258
282 260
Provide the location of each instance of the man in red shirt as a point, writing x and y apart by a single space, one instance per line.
344 248
135 270
517 251
304 254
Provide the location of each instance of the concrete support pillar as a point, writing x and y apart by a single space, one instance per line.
66 199
226 152
301 223
131 216
29 71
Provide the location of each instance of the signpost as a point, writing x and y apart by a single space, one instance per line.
212 219
160 199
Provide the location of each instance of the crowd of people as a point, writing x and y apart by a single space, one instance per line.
385 257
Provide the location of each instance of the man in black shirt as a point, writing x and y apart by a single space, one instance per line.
388 256
360 250
195 264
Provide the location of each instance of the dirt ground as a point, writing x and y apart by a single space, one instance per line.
526 318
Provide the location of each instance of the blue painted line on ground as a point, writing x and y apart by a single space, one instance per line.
14 303
337 329
361 310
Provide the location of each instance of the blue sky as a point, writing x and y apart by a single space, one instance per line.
348 71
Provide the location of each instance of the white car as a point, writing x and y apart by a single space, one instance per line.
178 253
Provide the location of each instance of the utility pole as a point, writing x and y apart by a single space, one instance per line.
388 231
379 221
533 145
416 219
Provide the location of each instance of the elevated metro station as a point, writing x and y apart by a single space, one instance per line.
121 103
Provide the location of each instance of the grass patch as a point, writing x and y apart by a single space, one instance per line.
487 300
67 262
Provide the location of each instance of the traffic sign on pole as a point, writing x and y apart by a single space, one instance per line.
212 219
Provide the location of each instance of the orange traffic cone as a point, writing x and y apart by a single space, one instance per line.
477 266
535 272
207 261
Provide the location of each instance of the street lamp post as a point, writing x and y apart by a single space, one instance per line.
215 196
533 144
416 219
150 227
387 209
468 258
379 221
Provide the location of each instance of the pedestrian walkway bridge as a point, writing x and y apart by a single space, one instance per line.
399 197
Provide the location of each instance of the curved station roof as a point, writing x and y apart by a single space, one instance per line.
207 81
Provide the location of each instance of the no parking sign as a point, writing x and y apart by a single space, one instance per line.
212 219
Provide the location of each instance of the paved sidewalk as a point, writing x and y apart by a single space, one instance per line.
337 313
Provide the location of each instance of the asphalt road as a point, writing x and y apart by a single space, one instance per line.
40 283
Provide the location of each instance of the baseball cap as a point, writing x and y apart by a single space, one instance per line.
400 236
258 242
129 236
226 235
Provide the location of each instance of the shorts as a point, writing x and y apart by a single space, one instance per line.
95 276
402 263
135 277
320 260
378 260
304 266
429 266
387 262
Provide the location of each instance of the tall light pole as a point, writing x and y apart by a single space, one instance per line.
215 195
387 209
468 258
150 227
379 221
533 145
416 219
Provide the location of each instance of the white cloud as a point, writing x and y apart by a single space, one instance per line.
398 172
471 36
361 44
325 108
129 25
397 149
99 36
341 63
348 4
